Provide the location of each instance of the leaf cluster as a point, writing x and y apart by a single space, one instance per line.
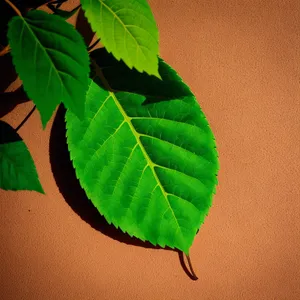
140 144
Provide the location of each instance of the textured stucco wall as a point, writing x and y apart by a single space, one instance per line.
241 59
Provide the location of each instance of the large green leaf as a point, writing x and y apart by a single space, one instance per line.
147 163
17 169
52 60
127 29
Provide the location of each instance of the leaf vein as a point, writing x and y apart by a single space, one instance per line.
127 8
100 147
151 164
95 115
150 34
172 144
63 54
121 22
51 31
124 166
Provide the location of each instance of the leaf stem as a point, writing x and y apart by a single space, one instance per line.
26 118
191 267
5 50
100 74
14 7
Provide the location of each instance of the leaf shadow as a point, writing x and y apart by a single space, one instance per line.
121 78
8 134
71 190
184 266
69 186
6 13
84 28
9 100
8 73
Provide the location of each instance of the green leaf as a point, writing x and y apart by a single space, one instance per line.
127 29
51 59
121 78
17 169
147 163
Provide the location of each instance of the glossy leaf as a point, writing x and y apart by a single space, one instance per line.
17 169
127 29
52 61
147 163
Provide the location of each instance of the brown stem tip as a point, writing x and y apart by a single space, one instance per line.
191 267
5 50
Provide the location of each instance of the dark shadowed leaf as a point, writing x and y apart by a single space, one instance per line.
17 169
52 60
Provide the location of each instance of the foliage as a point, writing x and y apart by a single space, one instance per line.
17 169
140 144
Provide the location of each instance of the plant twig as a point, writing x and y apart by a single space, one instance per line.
26 118
191 267
14 7
5 50
100 74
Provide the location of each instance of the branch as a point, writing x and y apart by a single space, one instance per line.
14 7
5 50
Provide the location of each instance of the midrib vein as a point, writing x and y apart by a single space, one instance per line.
47 55
148 159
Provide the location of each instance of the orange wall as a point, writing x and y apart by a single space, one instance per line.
241 59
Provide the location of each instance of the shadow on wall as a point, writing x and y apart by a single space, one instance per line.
70 188
75 196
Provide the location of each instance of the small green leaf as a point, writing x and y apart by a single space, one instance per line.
147 163
127 29
17 169
52 61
